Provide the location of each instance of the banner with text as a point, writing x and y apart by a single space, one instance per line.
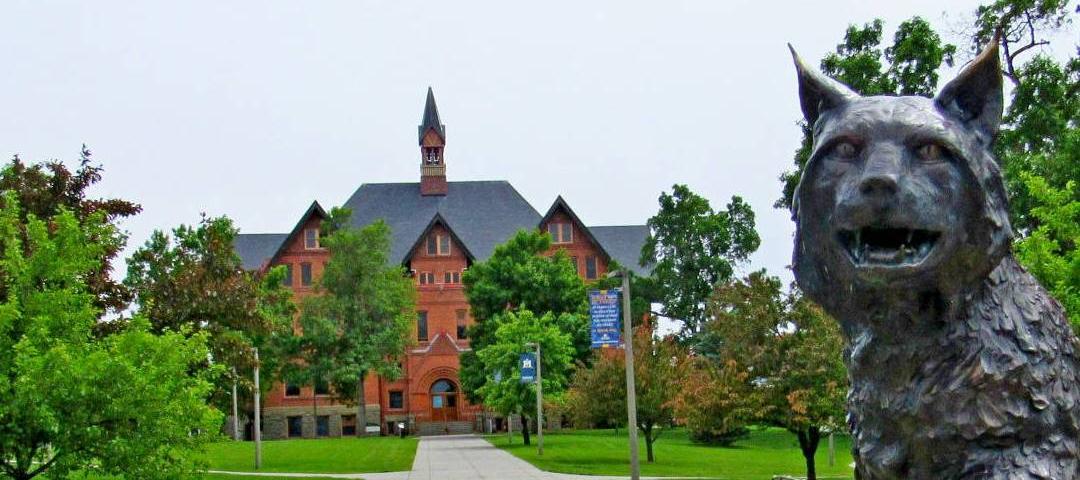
605 314
528 367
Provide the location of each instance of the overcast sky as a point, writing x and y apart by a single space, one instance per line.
253 109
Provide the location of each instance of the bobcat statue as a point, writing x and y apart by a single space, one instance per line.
961 365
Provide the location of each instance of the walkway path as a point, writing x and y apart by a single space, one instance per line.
456 457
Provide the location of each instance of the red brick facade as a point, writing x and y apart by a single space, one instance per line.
429 391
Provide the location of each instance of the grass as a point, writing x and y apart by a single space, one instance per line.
767 452
225 476
329 455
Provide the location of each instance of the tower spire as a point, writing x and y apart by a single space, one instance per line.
432 138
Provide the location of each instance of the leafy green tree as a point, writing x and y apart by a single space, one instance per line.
1047 250
503 389
659 373
1019 26
519 274
193 281
692 248
908 67
792 352
128 404
44 189
360 321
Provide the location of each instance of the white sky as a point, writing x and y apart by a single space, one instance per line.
253 109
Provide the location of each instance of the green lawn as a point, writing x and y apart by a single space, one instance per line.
329 455
223 476
765 453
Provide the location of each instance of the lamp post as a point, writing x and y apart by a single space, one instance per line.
258 417
631 390
539 402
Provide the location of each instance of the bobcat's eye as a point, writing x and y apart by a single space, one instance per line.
931 152
845 150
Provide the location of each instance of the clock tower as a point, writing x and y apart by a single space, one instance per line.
432 135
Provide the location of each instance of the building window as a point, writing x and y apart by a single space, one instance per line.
322 426
438 245
427 278
421 326
296 426
590 267
451 277
287 281
348 424
397 399
322 387
305 274
462 325
561 232
311 238
292 390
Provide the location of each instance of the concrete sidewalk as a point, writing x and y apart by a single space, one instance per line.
455 457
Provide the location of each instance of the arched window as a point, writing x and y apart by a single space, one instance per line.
442 386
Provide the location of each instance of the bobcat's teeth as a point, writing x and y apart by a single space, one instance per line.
924 249
910 233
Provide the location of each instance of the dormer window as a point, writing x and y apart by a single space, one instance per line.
561 232
311 238
438 245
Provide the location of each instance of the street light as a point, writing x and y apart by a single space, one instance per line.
631 390
539 402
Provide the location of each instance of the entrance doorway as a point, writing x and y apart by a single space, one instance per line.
444 401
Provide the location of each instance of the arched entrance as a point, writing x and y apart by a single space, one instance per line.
444 401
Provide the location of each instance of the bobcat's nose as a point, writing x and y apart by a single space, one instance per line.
879 183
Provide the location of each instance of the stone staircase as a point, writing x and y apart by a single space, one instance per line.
444 428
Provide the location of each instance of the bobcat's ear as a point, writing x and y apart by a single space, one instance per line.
974 96
818 93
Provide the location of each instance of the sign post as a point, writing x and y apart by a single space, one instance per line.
258 417
530 372
604 311
631 389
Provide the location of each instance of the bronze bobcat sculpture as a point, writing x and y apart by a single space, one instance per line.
961 365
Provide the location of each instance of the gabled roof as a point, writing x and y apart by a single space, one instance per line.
438 220
624 243
560 204
431 118
257 250
482 214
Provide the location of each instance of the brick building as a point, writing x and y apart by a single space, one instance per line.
438 229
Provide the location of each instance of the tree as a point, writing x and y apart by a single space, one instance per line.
503 389
193 281
1047 251
597 393
659 367
791 352
692 248
131 403
909 68
519 275
716 401
362 316
44 189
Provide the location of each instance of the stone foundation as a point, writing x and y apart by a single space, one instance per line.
276 420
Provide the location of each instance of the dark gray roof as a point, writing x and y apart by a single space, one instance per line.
256 248
482 214
624 244
431 118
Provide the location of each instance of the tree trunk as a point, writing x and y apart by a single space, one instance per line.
649 439
808 443
525 429
361 408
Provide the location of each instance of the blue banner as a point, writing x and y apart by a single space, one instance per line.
605 314
528 367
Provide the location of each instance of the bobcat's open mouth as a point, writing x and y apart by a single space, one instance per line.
875 246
